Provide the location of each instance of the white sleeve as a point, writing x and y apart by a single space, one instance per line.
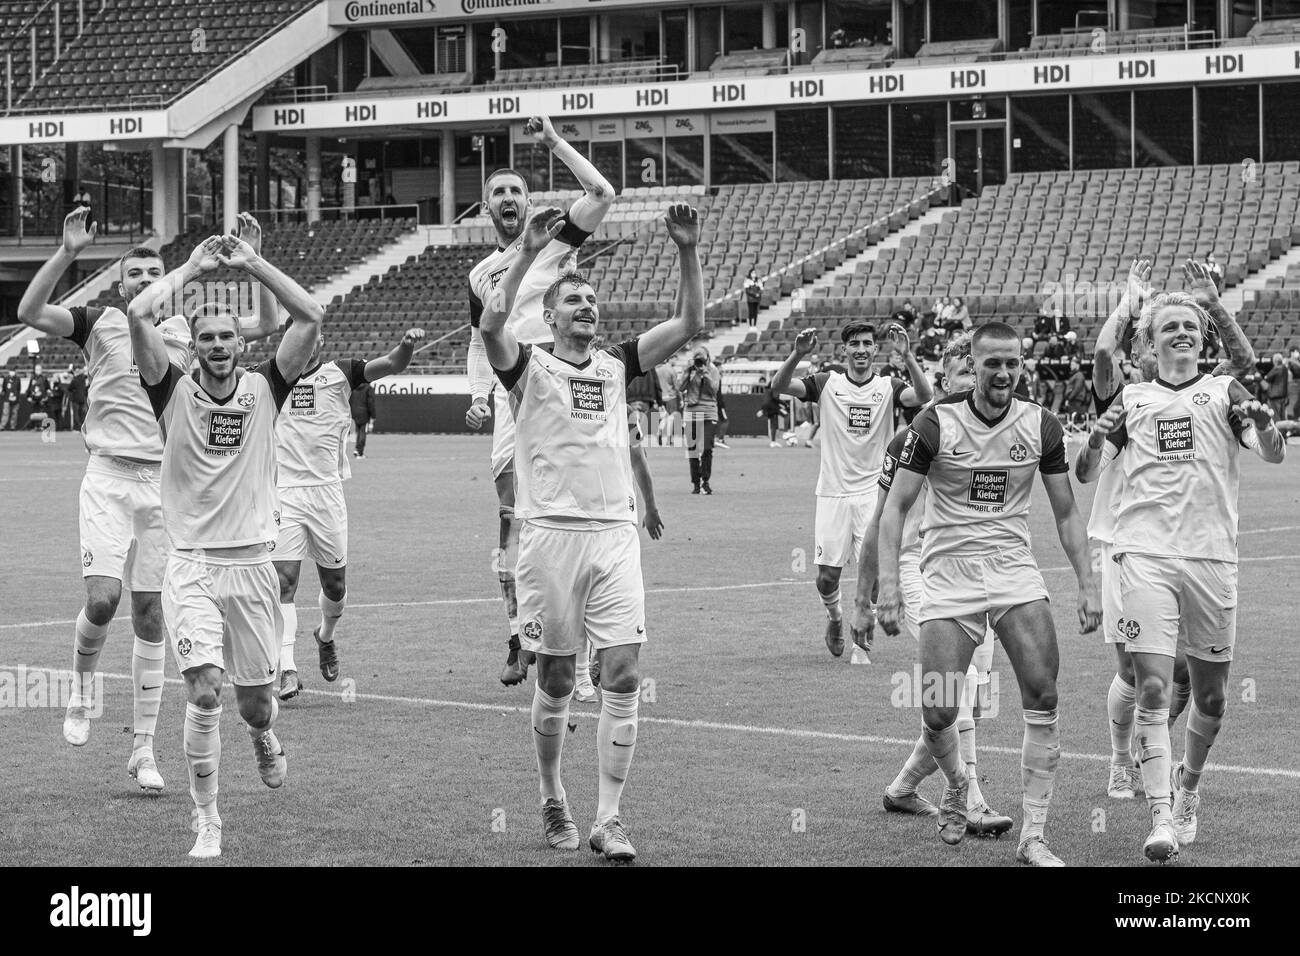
481 376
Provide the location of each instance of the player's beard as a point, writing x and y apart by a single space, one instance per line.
509 231
999 398
216 374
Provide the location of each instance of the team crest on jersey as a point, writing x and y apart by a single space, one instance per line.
860 417
1201 398
1019 452
533 630
87 557
275 515
1128 629
1175 438
988 489
631 503
247 400
225 431
875 398
184 646
605 372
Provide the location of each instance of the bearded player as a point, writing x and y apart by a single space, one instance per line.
980 451
505 196
901 795
579 553
311 440
857 412
123 544
219 502
1175 545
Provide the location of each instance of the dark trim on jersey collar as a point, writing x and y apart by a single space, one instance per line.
239 374
867 381
311 371
990 422
549 348
1178 388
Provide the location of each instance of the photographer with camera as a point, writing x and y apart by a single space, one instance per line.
698 388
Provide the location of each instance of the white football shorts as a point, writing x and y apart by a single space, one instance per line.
579 585
313 524
1163 599
840 526
224 611
975 590
120 515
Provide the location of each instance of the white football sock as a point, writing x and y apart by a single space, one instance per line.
1120 701
147 679
550 723
581 667
832 602
1151 727
919 765
615 744
1040 753
288 635
1201 733
943 747
330 612
85 658
203 753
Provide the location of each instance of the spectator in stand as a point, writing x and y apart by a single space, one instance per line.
959 320
11 396
54 401
1073 350
1053 370
896 367
644 395
1293 390
945 313
1027 346
905 314
1215 270
753 296
38 392
1027 383
1278 380
930 345
363 414
1076 396
78 395
699 386
1051 324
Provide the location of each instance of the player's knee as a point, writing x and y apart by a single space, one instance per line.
203 687
101 605
1153 692
1039 698
255 710
939 718
828 579
1212 703
620 680
288 584
334 588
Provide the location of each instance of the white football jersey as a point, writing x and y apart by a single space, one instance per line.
911 540
525 320
981 473
1180 470
312 430
1105 501
571 434
219 459
857 422
118 420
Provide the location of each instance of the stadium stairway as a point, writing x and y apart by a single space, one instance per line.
1269 277
394 254
728 340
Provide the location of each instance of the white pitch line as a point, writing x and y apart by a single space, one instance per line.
794 732
786 582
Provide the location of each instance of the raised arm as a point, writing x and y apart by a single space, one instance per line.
588 209
299 340
1091 459
34 309
659 343
919 392
1105 356
1074 539
501 345
395 362
1241 354
161 299
784 382
265 321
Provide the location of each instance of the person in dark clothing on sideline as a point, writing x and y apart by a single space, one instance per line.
363 413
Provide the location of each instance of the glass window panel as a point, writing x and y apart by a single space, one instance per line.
801 144
1020 24
963 19
985 107
1057 15
421 44
684 158
1162 127
643 162
533 162
1281 131
451 49
808 17
631 35
530 43
675 45
744 26
920 138
859 23
1042 125
1229 119
1280 9
575 40
741 158
861 142
1102 131
484 58
708 36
